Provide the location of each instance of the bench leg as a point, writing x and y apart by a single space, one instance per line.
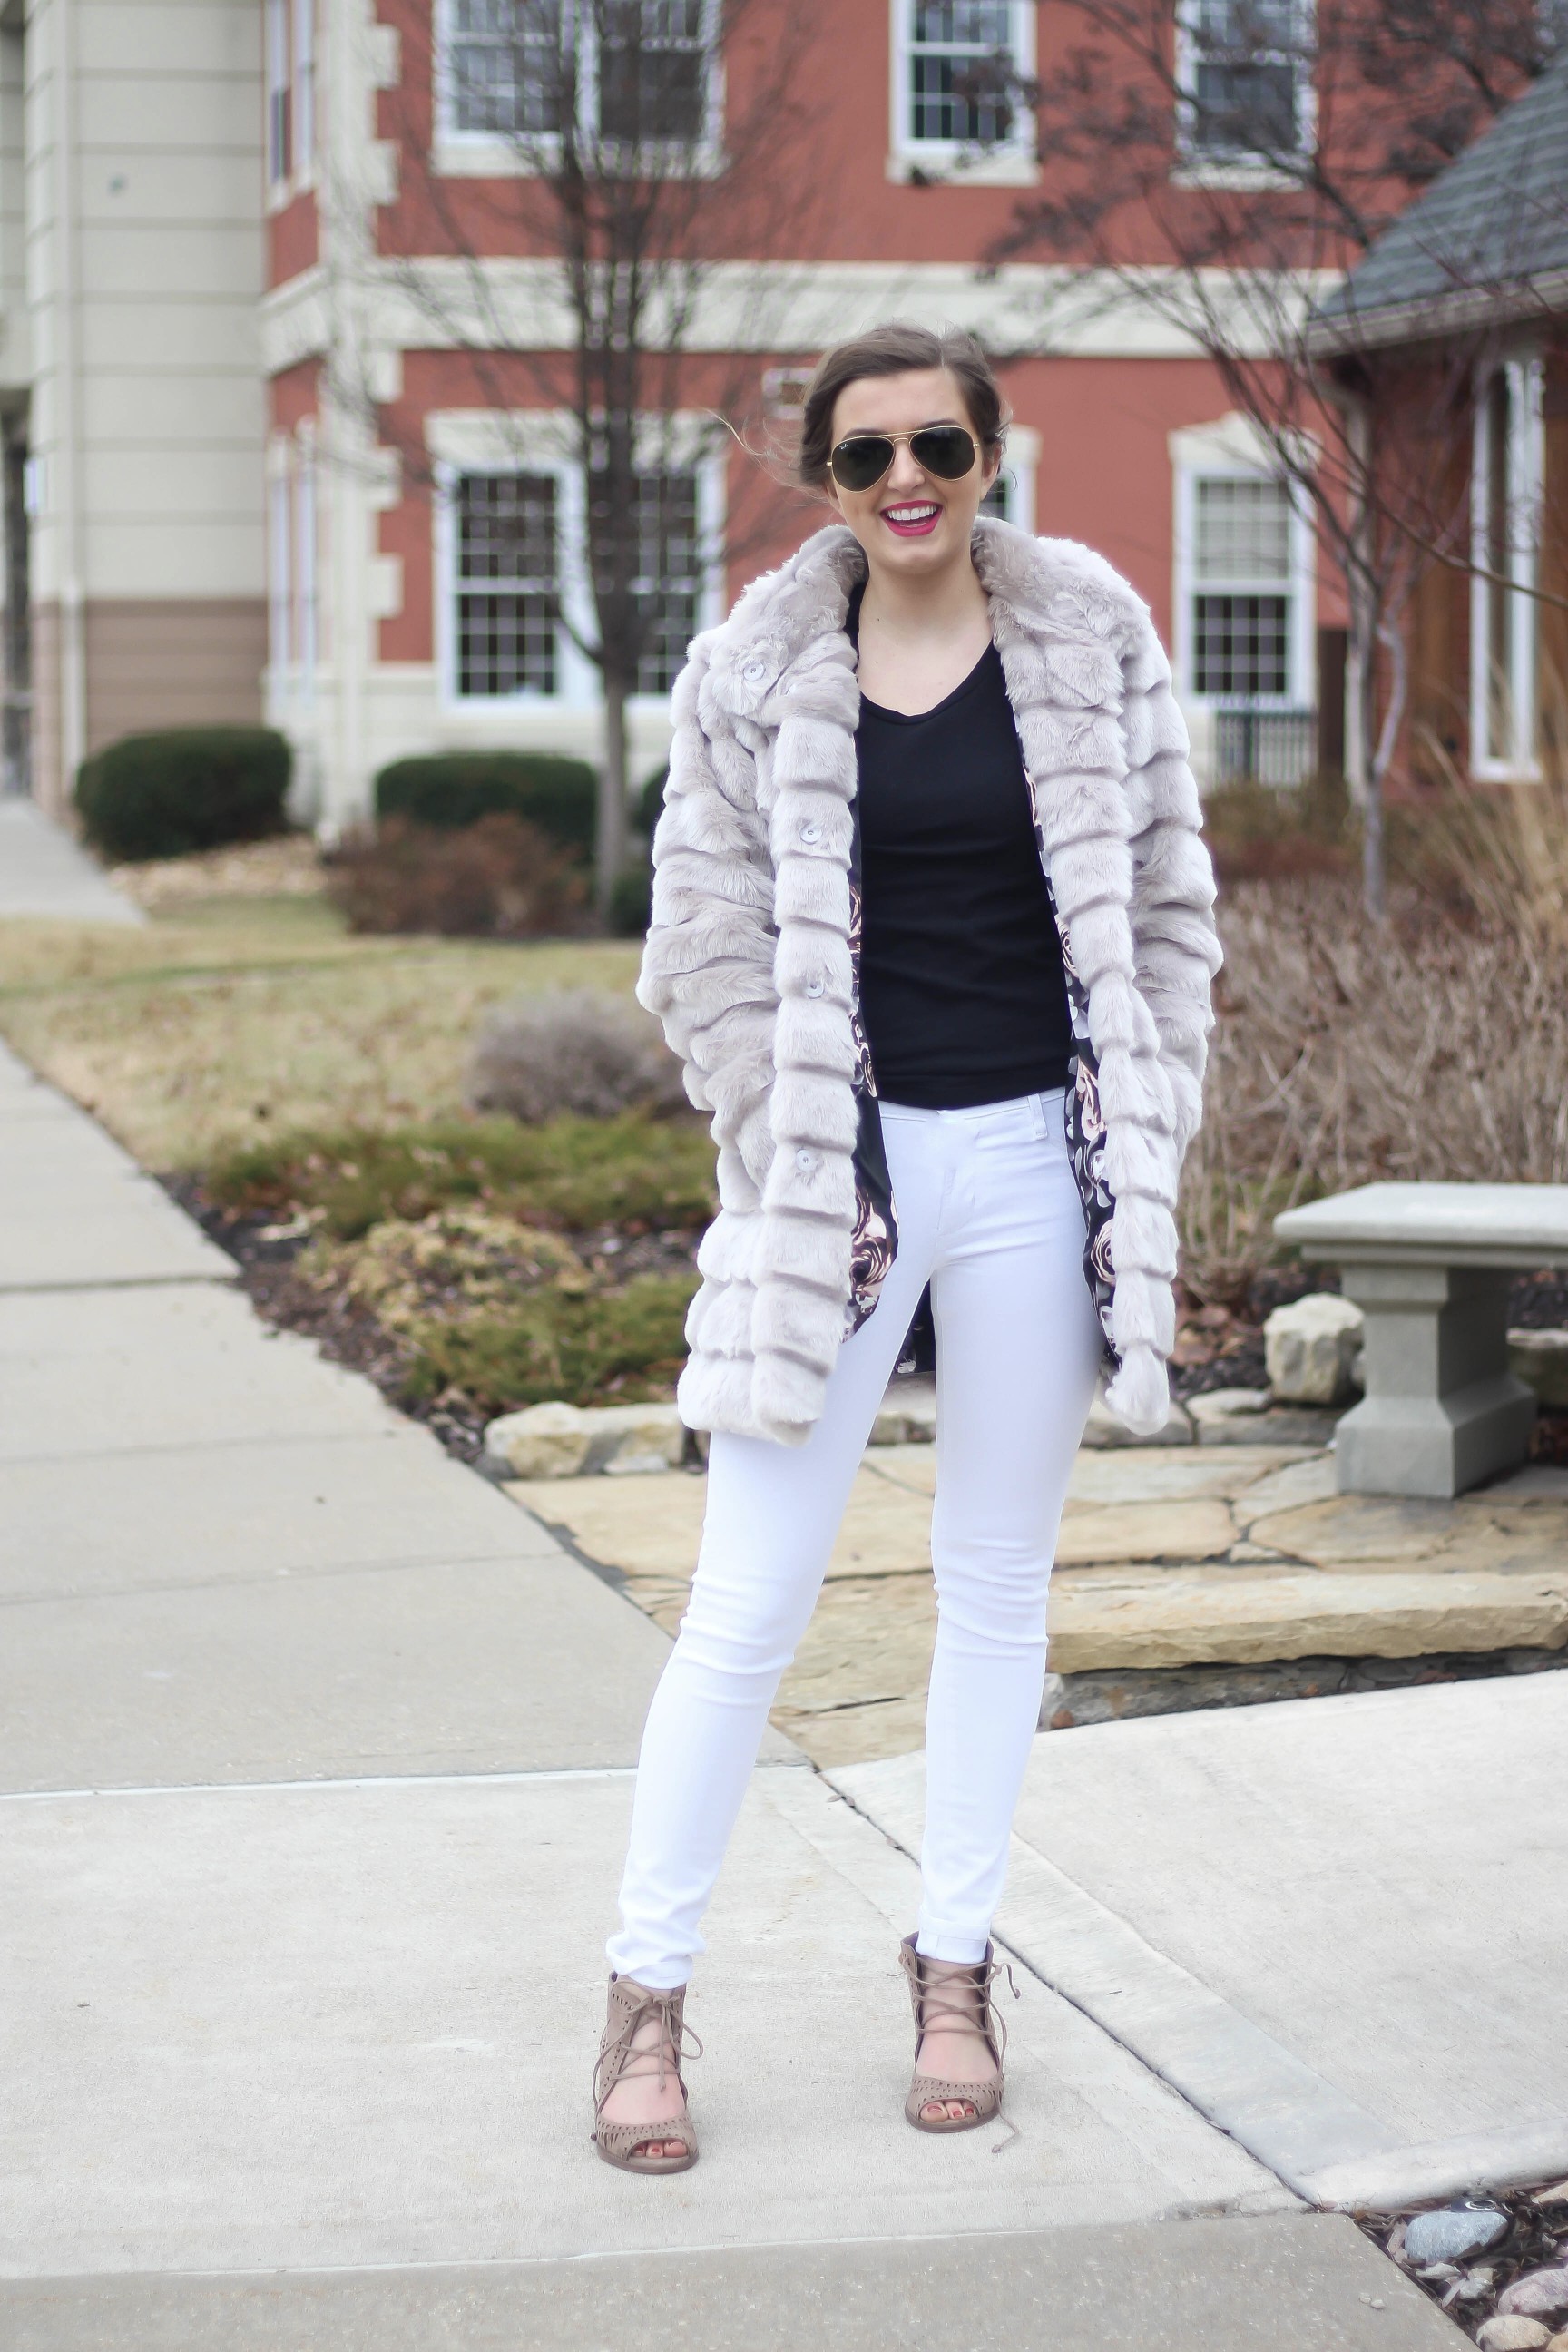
1442 1410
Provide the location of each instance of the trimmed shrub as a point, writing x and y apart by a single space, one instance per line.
577 1050
499 878
184 789
631 901
651 800
449 790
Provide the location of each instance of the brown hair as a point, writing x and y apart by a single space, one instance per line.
897 348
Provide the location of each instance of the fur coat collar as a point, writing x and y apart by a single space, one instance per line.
748 962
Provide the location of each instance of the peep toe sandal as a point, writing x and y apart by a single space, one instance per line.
960 2001
630 2005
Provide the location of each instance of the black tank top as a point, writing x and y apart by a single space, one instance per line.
962 996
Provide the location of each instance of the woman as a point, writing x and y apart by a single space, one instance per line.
933 935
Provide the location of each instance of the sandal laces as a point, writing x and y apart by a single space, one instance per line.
962 2002
621 2062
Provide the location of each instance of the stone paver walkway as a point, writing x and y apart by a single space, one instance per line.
314 1775
1169 1556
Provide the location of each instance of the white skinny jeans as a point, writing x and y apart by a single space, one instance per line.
989 1213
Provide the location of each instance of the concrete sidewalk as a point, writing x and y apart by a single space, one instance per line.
43 871
314 1754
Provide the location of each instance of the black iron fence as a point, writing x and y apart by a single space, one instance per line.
1265 746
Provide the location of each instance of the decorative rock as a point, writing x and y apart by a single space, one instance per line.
1186 1617
906 1416
1227 1405
1310 1350
568 1440
1539 2294
1512 2336
1104 1429
1453 2233
1248 1417
1540 1358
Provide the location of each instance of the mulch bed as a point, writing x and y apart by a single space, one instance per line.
1215 1349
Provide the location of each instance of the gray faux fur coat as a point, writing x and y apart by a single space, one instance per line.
749 961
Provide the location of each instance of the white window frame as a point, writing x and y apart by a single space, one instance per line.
462 154
1020 463
305 92
280 526
280 97
540 442
1197 165
307 569
1524 463
1298 584
1007 163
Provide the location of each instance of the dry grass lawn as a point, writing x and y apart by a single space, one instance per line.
222 1021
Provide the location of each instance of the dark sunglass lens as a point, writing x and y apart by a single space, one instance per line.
858 464
943 450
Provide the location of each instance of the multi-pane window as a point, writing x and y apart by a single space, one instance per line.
507 584
669 581
635 70
507 62
652 70
1247 79
1241 603
960 71
514 571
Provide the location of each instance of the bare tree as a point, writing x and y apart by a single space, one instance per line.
1222 166
650 151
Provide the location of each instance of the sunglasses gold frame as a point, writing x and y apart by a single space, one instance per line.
975 449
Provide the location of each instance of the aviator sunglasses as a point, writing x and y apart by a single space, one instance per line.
861 459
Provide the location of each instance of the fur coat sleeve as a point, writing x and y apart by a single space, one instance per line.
712 982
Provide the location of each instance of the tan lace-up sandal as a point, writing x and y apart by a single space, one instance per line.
630 2004
960 2001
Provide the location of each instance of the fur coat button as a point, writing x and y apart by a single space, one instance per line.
754 672
815 987
805 1162
811 833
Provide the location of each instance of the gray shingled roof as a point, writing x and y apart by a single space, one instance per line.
1491 232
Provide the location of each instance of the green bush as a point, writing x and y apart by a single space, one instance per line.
631 900
601 1346
653 1175
454 788
651 800
185 789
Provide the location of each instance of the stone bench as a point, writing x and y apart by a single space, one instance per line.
1430 1265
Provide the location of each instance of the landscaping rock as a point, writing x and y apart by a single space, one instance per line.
1227 1405
1311 1348
1512 2336
568 1440
907 1416
1539 2294
1104 1429
1453 2233
1540 1358
1181 1617
1249 1417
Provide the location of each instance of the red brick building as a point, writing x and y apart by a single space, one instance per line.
425 522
